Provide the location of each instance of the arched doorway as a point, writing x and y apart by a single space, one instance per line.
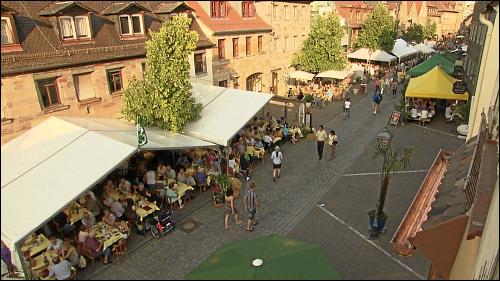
254 82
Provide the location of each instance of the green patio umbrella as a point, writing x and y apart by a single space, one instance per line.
268 257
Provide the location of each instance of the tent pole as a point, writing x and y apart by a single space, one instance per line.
20 256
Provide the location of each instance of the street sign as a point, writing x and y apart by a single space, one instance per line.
459 87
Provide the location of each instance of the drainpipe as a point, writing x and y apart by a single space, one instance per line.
472 131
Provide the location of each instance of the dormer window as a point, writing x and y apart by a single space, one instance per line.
7 34
247 9
10 40
218 9
131 25
74 28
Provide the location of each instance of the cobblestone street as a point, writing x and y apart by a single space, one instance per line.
289 206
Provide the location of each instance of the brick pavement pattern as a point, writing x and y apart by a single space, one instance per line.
303 183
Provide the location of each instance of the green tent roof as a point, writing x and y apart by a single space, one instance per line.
435 60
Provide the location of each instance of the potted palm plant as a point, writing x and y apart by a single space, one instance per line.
393 161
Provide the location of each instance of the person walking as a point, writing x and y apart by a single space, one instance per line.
229 208
320 140
277 158
376 99
332 142
382 85
394 87
251 205
347 108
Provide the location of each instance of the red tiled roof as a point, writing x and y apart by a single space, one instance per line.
419 6
233 22
348 4
42 49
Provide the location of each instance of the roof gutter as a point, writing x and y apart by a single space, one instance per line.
242 31
473 128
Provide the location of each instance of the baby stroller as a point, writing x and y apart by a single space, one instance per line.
160 223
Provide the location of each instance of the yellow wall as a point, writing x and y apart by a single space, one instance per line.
280 60
488 250
466 257
487 90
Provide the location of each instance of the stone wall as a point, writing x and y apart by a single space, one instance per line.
22 108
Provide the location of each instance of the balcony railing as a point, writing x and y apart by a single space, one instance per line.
470 186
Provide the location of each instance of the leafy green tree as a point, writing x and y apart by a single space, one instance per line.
163 98
414 33
322 50
429 30
378 31
386 40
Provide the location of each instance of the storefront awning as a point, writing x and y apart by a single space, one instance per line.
52 164
402 49
225 112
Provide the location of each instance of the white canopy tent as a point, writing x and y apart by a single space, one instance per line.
52 164
424 48
301 75
403 49
341 74
377 55
225 112
335 74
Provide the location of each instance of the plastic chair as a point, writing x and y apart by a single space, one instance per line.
172 201
120 249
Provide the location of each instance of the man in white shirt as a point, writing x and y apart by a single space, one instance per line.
347 108
61 269
150 179
267 142
170 173
277 158
320 140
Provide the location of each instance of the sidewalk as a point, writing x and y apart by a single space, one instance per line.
289 206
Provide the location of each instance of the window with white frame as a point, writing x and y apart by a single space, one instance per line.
74 27
131 25
285 43
295 42
7 36
294 12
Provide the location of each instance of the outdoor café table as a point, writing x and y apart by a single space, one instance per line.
35 245
119 195
294 131
75 212
253 151
182 188
107 235
39 264
145 209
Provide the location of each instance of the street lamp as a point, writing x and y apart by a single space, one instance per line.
384 139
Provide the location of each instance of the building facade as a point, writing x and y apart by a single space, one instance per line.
290 23
74 59
353 14
475 44
241 38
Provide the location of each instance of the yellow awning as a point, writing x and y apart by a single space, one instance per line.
435 84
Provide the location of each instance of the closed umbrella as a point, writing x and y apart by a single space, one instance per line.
265 258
